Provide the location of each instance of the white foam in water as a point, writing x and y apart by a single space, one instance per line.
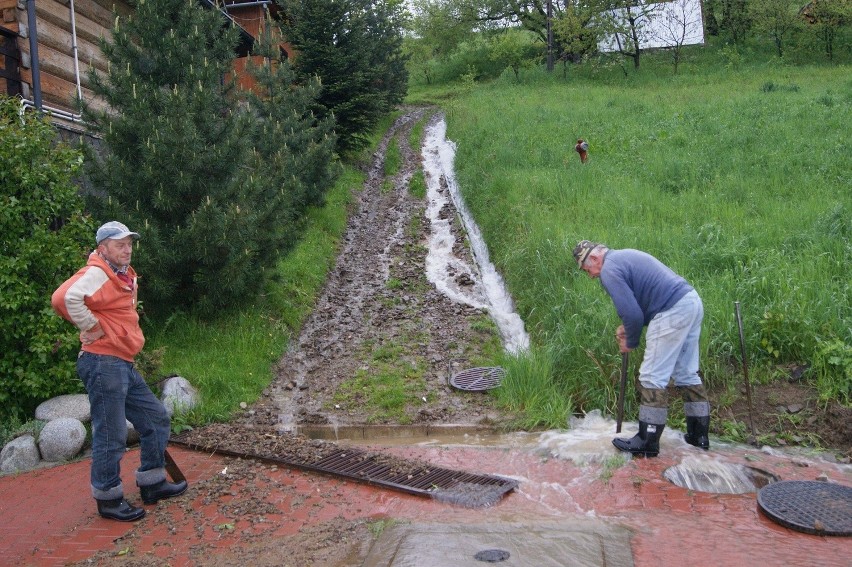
709 474
489 291
589 439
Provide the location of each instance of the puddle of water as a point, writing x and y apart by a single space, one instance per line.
513 440
491 293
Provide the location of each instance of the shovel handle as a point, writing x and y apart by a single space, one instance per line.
622 388
172 468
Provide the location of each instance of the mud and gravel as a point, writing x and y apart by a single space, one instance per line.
379 323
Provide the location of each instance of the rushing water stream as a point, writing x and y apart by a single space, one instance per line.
438 162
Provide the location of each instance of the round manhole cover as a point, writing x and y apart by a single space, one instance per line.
492 555
813 507
478 379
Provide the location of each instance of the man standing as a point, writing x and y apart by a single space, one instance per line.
100 300
648 293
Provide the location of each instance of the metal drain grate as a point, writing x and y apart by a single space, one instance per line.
813 507
478 379
446 485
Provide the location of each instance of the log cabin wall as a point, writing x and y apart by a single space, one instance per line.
59 76
251 17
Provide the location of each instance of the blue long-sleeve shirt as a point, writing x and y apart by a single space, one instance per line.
640 287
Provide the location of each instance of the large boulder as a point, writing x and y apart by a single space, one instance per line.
61 439
70 405
19 454
179 395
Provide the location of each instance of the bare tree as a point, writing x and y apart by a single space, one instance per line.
628 24
679 24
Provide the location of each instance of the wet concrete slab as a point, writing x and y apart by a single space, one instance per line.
578 542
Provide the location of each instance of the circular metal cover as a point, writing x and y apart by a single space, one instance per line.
492 555
814 507
478 379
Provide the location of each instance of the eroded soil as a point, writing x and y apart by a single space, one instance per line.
379 324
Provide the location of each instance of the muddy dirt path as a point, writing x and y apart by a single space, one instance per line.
381 341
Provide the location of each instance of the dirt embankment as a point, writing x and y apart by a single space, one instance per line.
382 340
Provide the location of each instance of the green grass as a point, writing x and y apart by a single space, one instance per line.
386 385
230 360
741 187
393 158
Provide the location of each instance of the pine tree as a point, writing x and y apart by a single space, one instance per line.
175 151
294 150
355 48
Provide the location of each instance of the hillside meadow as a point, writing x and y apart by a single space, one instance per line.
739 177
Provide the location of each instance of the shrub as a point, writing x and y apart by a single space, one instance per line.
42 236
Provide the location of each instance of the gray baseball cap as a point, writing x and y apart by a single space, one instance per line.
114 230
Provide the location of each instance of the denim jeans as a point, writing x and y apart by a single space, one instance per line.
117 393
671 345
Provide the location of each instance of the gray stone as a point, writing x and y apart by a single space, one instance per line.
132 434
69 405
61 439
179 395
19 454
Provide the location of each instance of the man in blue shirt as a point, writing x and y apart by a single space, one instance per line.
646 292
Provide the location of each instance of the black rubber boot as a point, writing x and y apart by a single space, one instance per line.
645 443
120 510
162 490
698 431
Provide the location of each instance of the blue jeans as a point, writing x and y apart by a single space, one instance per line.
117 392
671 345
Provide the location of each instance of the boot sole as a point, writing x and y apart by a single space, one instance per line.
155 500
637 452
700 446
123 519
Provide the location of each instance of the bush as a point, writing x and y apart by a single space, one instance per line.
42 236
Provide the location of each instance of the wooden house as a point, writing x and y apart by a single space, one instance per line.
47 47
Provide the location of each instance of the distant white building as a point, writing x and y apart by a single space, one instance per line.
661 24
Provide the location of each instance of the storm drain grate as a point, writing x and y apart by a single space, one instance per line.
478 379
445 485
813 507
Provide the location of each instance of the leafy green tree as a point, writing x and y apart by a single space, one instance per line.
826 19
777 18
735 21
43 239
514 50
355 48
576 30
175 155
293 155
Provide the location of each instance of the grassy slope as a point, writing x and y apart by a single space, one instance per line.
739 179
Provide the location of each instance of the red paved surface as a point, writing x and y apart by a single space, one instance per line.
47 517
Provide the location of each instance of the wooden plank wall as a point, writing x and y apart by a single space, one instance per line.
93 20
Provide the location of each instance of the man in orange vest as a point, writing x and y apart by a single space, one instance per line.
100 300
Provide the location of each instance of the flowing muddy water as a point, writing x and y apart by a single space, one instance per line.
438 164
